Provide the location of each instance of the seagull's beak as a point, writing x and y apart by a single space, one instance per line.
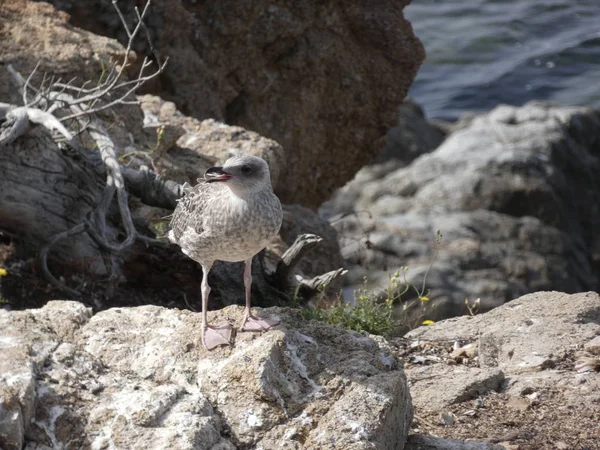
216 174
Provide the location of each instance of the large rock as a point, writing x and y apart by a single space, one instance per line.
514 193
323 79
139 378
511 375
198 145
413 136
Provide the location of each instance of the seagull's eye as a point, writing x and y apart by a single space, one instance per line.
246 170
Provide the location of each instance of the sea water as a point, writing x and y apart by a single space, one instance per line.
484 52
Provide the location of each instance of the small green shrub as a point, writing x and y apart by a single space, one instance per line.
374 312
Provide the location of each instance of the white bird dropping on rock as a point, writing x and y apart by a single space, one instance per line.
231 216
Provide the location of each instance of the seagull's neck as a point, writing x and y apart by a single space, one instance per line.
246 195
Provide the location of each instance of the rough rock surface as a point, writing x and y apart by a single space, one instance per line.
139 378
521 386
198 145
514 193
412 137
323 79
422 442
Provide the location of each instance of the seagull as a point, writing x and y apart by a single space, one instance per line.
231 215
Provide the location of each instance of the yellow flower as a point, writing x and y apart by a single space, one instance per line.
423 298
428 322
3 272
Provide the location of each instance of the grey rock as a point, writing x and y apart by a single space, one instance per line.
139 378
521 345
593 346
526 334
422 442
513 192
413 136
528 350
437 386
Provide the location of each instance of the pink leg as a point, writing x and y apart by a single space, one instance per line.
212 335
251 322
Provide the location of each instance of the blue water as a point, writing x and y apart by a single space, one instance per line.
484 52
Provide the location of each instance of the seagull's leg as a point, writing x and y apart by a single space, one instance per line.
251 322
212 335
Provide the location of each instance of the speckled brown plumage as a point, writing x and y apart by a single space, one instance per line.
230 216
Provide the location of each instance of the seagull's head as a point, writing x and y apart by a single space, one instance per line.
243 174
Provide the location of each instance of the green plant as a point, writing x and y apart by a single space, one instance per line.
366 314
160 132
373 312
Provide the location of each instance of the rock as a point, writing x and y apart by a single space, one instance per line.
514 194
519 403
322 79
436 386
206 143
447 419
593 346
422 442
526 340
413 136
536 327
139 378
503 395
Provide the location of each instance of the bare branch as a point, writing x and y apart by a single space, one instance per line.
49 121
320 282
25 100
114 181
118 101
17 78
147 32
290 259
123 21
5 108
16 129
113 84
151 188
42 260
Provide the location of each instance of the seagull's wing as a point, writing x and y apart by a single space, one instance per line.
189 210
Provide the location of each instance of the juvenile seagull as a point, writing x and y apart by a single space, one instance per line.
231 216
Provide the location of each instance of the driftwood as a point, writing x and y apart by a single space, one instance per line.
68 203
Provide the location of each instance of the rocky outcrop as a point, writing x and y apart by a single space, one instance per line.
139 378
515 195
521 375
413 136
197 145
321 78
